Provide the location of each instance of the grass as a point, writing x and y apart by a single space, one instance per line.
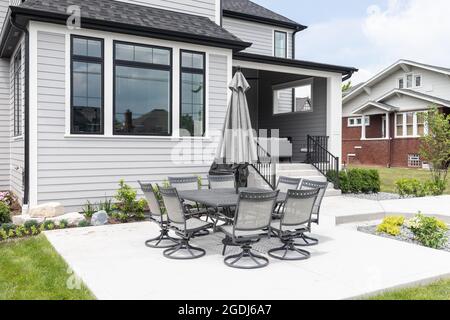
436 291
32 270
389 176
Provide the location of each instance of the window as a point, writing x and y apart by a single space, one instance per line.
280 44
401 83
414 161
357 122
291 97
142 90
87 86
192 117
17 94
409 81
410 124
418 81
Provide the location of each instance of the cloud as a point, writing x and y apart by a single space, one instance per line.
405 29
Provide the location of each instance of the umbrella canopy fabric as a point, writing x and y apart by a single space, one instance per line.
237 144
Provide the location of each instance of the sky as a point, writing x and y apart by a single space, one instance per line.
369 34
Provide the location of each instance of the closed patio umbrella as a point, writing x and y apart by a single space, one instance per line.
237 145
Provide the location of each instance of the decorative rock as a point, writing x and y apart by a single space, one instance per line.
21 220
47 210
99 218
73 219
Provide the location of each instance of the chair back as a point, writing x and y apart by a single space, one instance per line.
254 210
184 183
222 182
298 208
285 184
322 186
152 200
173 205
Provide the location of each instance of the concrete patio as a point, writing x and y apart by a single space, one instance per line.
347 264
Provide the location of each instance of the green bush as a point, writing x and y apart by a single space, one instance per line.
63 224
416 188
5 213
31 223
106 206
89 209
84 224
391 225
127 205
429 231
8 226
360 181
48 225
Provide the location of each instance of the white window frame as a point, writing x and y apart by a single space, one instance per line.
421 80
404 125
353 122
405 81
398 83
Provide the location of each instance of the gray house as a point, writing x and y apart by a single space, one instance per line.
138 90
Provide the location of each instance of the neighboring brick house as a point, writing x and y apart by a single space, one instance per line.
392 105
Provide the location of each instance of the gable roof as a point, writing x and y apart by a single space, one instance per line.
248 10
379 105
126 17
399 64
415 94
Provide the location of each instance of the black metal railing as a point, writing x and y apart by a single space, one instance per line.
266 166
319 156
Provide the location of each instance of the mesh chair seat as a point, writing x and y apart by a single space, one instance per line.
159 219
277 227
192 224
228 230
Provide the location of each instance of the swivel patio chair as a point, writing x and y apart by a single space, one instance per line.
163 241
284 185
183 226
309 185
294 222
222 182
251 223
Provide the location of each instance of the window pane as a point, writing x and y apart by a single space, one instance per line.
80 47
87 97
142 101
161 56
192 60
303 99
401 84
418 81
95 48
87 47
124 52
192 105
409 81
280 44
143 54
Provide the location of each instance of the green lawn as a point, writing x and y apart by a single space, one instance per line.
32 270
389 176
436 291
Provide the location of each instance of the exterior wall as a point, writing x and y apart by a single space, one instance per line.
205 8
261 35
433 83
73 169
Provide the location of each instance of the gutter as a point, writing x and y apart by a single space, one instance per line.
26 182
273 22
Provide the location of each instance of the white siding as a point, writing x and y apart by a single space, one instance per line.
205 8
406 103
261 35
73 170
433 84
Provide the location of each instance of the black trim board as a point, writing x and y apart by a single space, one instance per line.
272 22
294 63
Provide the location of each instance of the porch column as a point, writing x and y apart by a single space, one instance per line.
334 115
363 127
388 126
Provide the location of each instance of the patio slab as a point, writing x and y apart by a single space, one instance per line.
115 264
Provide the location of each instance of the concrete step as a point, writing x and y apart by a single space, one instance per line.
295 166
332 192
298 173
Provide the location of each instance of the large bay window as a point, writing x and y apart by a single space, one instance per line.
192 113
410 124
142 90
87 85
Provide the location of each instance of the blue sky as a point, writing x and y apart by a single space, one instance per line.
369 34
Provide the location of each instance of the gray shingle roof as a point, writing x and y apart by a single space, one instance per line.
246 7
143 17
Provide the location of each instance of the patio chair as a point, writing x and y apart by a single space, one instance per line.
183 226
251 223
284 185
222 182
322 186
295 221
188 184
157 216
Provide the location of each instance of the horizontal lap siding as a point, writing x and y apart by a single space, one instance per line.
260 35
205 8
73 170
4 112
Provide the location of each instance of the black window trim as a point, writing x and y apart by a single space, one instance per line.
196 71
126 63
275 43
18 132
87 59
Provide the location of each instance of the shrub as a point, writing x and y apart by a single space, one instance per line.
410 187
435 188
89 209
360 181
47 225
391 225
84 224
21 231
5 213
106 206
429 231
31 223
127 204
3 234
63 224
34 230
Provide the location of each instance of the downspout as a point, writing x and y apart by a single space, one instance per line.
26 182
348 76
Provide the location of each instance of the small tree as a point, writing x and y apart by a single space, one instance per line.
347 86
435 147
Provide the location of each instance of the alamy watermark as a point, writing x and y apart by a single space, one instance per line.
74 20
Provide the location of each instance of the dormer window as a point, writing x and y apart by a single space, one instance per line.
410 81
418 81
280 44
401 83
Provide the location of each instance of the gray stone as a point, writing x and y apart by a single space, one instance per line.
22 219
99 218
73 219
